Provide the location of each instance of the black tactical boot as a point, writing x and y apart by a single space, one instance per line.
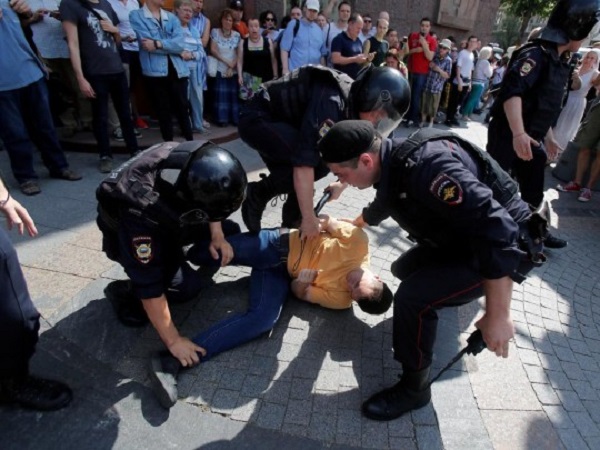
164 369
35 393
291 217
258 194
553 242
129 309
411 392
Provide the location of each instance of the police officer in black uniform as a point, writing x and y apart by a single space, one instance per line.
530 99
20 323
284 121
465 215
149 209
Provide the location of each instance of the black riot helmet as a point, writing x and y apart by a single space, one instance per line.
380 88
571 20
214 181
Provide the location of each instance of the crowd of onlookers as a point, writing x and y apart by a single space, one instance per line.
102 53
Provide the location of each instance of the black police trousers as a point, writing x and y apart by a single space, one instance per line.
529 174
19 320
431 279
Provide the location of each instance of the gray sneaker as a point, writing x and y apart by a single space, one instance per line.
106 164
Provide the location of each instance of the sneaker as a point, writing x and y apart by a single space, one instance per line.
585 195
164 369
140 123
67 174
205 124
117 134
35 393
30 187
106 164
571 186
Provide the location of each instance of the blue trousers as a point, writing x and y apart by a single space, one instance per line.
26 123
19 320
417 86
269 287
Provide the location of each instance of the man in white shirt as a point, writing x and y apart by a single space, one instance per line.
461 83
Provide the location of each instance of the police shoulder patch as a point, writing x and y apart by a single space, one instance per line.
447 189
325 127
142 248
527 66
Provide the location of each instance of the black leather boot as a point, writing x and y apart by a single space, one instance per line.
552 241
411 392
164 369
36 393
258 194
128 307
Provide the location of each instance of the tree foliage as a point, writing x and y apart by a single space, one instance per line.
526 9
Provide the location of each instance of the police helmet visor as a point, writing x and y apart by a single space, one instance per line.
384 90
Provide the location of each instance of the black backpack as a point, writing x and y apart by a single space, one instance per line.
278 42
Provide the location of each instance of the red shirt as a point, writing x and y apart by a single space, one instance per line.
241 28
417 62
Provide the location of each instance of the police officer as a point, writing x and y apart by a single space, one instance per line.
465 215
20 323
152 206
530 99
287 117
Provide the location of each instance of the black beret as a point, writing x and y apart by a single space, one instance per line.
346 140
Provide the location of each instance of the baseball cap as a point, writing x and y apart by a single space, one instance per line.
347 140
313 4
236 4
445 43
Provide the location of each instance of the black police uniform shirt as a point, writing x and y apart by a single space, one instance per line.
448 207
539 75
320 105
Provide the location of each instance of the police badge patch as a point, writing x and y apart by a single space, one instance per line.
447 189
142 248
527 67
325 127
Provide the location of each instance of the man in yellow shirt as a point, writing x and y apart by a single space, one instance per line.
331 270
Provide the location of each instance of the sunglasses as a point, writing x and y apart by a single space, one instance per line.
269 19
367 20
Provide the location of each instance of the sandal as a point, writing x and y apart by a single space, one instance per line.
30 187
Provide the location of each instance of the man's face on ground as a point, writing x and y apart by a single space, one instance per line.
425 26
362 283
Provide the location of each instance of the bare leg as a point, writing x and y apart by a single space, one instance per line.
583 159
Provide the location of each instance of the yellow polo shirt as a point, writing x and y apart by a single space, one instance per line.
334 255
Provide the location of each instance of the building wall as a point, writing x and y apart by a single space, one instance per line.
404 14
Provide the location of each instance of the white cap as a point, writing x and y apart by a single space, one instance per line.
313 4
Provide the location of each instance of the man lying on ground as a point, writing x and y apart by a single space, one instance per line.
331 270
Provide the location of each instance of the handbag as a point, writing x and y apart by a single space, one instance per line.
212 66
250 85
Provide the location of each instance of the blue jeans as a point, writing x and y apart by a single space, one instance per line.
196 98
25 117
269 288
417 86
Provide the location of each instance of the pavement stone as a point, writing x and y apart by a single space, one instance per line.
302 386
